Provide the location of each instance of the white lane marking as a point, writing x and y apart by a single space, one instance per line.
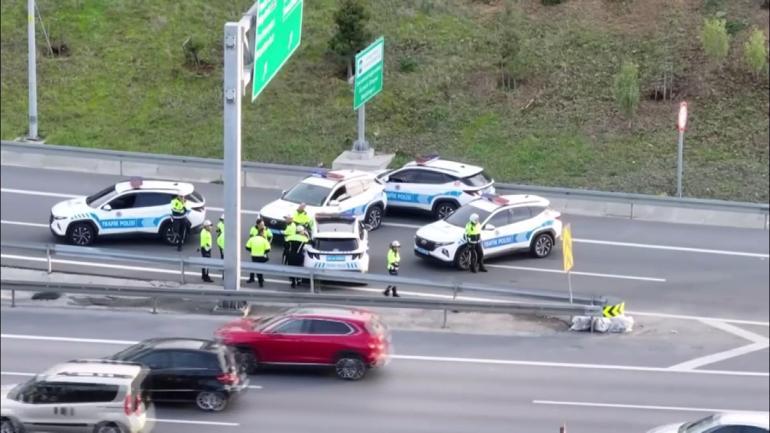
40 193
446 359
672 248
586 274
185 421
739 332
686 317
402 225
758 342
637 406
22 223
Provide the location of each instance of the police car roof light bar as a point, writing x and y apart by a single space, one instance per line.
335 175
319 172
494 198
135 182
427 158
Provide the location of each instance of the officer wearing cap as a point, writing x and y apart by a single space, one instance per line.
301 218
260 224
394 259
258 246
294 252
179 219
205 249
473 237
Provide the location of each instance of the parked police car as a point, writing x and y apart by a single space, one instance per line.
127 208
340 243
351 193
435 185
509 223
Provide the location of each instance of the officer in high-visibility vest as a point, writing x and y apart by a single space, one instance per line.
294 248
473 237
301 218
205 249
179 219
394 259
260 224
258 246
291 228
221 236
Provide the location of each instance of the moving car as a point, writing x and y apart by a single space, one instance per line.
340 243
508 223
343 192
435 185
133 207
96 396
732 422
188 370
351 340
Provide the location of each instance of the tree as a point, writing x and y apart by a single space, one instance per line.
715 40
351 35
755 52
627 89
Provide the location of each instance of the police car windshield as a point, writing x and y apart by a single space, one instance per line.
322 244
478 179
312 195
461 216
100 197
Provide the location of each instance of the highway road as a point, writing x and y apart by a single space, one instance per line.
437 382
655 267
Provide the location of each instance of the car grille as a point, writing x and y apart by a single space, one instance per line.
275 224
424 243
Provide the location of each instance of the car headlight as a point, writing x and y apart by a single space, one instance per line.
443 244
57 218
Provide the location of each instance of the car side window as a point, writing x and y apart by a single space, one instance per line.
499 219
156 360
293 326
125 201
402 176
518 214
329 327
150 199
536 210
89 393
431 177
194 360
340 194
43 393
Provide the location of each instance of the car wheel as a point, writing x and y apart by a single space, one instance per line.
167 233
108 427
211 401
81 234
542 245
463 258
444 209
373 217
8 426
350 367
248 360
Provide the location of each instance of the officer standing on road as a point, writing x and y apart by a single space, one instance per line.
294 251
260 224
205 249
291 227
301 218
473 236
394 259
258 246
179 219
221 236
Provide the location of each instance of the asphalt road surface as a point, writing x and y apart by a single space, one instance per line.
437 382
654 267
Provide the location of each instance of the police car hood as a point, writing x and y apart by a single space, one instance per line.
280 208
441 231
68 207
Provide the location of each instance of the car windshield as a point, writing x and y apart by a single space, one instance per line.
322 244
312 195
461 216
478 179
129 353
19 391
100 197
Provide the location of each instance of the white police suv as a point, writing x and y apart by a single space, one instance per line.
340 243
435 185
509 223
341 192
132 207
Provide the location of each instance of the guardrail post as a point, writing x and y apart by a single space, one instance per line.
181 268
13 297
48 258
312 282
155 305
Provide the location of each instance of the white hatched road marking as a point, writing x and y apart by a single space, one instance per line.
637 406
758 342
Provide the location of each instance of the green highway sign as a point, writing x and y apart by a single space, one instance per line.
277 36
369 69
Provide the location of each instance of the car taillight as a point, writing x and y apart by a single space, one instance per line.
132 404
228 378
376 344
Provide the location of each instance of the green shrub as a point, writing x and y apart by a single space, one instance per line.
627 89
407 64
715 40
552 2
755 52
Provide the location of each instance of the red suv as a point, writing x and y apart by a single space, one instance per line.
350 339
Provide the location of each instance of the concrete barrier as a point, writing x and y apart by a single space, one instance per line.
699 216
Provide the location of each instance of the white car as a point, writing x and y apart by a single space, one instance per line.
435 185
509 223
339 243
127 208
341 192
733 422
96 396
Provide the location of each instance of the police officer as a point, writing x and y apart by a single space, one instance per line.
294 248
301 218
258 246
260 224
473 236
221 236
394 259
179 219
205 249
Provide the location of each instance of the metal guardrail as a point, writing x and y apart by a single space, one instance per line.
314 275
300 170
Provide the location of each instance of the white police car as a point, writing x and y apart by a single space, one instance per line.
340 243
509 223
435 185
340 192
127 208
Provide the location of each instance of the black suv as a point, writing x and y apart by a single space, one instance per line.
188 369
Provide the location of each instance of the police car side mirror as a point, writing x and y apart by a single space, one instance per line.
107 207
283 193
489 227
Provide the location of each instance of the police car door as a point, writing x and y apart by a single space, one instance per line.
359 199
119 215
401 189
515 234
434 186
495 234
153 208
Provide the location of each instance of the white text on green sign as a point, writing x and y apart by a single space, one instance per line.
369 71
277 36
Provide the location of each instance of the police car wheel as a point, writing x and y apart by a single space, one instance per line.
168 234
542 245
81 234
8 426
463 259
374 217
444 209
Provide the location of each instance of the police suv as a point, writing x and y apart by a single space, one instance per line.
340 243
351 193
435 185
132 207
508 223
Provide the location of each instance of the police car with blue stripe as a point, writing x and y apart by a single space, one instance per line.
340 243
134 207
435 185
352 193
509 223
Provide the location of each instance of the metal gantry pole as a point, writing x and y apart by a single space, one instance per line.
32 70
679 164
233 76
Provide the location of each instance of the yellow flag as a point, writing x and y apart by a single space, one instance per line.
566 238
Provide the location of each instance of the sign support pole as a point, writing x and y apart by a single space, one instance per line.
361 145
569 284
32 70
233 78
679 163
